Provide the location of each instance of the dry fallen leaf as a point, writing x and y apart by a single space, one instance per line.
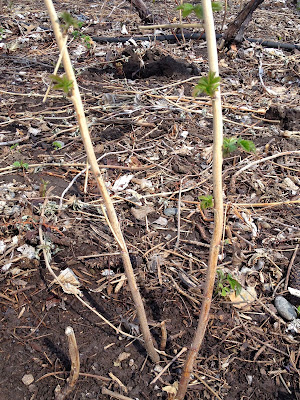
244 299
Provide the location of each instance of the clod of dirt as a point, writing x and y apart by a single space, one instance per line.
151 63
289 117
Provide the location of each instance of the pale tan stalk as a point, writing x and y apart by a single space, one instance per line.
75 366
76 99
218 205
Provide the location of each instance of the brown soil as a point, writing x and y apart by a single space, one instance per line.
145 122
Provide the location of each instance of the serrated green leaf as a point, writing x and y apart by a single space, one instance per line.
229 145
247 145
221 274
186 9
69 21
234 284
225 291
76 34
238 289
17 164
206 201
198 10
62 83
216 6
207 84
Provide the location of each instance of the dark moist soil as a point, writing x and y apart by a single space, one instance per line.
144 122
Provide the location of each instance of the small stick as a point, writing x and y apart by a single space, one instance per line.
178 216
118 381
14 141
86 177
290 267
284 153
75 366
115 395
163 336
278 203
169 363
207 386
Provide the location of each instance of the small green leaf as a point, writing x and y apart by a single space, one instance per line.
87 40
225 291
76 34
69 21
234 284
221 274
226 283
20 164
207 84
186 8
229 145
206 201
17 164
298 309
57 144
62 83
247 145
198 10
216 6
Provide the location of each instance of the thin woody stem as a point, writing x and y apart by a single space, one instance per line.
218 205
76 99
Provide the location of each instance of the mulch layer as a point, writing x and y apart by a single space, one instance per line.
153 141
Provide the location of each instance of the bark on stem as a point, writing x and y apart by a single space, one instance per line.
76 99
218 204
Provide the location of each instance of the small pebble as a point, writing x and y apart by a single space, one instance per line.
285 308
161 221
28 379
158 368
170 211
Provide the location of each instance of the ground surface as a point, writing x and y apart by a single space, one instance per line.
145 123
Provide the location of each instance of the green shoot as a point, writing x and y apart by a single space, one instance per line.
20 164
207 84
298 309
76 34
226 284
87 41
57 145
62 83
229 145
206 201
86 38
43 188
188 8
232 144
2 33
247 145
14 146
69 21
